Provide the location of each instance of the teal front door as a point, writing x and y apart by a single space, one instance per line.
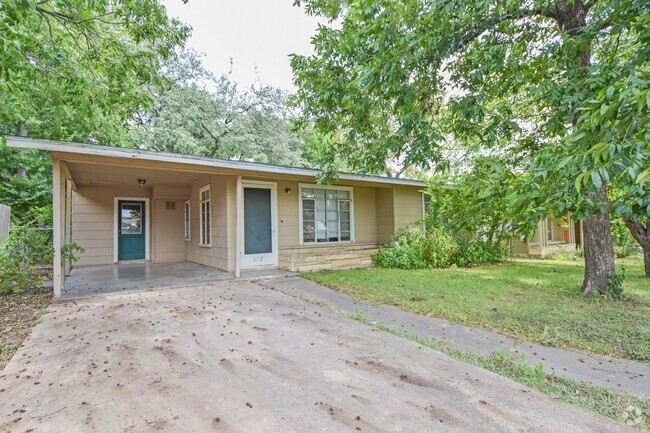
131 230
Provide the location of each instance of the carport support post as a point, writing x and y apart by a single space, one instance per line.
239 216
57 226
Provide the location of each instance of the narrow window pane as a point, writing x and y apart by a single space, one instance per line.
308 204
308 232
307 215
344 205
332 194
308 193
344 195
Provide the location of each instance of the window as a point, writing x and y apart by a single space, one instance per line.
186 217
426 198
549 229
204 214
326 214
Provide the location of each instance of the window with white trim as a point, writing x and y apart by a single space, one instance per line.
204 216
186 219
326 214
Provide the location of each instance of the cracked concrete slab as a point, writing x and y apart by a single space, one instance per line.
610 373
238 357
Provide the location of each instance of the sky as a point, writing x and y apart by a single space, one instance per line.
258 35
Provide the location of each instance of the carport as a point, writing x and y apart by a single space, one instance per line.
128 277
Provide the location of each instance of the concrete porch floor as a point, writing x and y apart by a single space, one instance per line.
124 277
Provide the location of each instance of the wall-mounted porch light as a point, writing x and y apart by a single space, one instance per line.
141 182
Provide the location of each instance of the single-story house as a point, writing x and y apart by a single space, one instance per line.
125 205
552 236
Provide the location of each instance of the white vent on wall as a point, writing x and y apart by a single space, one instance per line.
170 205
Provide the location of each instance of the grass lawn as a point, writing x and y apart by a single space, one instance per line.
533 300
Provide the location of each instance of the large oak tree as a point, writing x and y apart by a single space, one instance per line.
560 84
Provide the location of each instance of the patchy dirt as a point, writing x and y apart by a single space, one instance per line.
236 357
18 315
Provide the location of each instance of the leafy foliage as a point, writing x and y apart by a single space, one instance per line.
436 249
212 116
30 196
24 252
475 203
615 284
77 70
20 252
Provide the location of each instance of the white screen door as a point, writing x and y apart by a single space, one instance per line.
259 224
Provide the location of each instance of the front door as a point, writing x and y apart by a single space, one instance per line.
260 247
131 230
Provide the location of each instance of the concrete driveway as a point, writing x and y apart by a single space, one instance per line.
237 357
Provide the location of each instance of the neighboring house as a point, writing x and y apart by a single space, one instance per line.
551 237
126 205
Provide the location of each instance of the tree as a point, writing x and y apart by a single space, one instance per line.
26 186
77 70
525 77
474 203
208 116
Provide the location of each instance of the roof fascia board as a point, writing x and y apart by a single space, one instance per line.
135 154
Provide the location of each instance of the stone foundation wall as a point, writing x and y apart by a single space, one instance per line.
538 252
317 257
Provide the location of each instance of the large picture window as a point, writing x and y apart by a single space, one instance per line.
326 214
204 216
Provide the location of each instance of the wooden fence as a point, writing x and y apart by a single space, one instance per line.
5 215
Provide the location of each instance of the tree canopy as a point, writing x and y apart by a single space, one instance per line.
201 114
76 70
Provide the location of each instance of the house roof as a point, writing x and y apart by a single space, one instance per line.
120 152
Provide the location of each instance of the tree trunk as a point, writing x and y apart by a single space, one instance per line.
599 251
641 234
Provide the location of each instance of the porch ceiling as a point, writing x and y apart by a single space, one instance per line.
112 176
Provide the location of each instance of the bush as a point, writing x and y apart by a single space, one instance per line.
408 251
437 249
475 252
21 254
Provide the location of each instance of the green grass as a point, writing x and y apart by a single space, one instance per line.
622 407
533 300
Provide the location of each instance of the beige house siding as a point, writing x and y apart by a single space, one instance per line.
93 212
167 244
407 205
288 229
365 215
215 255
167 229
385 219
540 246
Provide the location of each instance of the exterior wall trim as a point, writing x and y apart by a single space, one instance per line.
116 152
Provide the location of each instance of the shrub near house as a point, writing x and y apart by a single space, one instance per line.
414 249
